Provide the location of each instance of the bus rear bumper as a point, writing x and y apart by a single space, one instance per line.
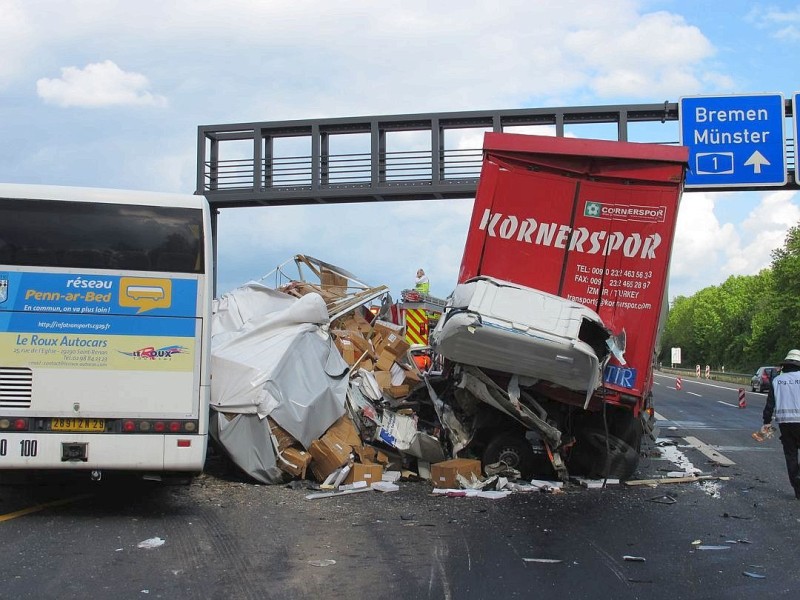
128 452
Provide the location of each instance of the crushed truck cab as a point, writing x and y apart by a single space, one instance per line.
572 240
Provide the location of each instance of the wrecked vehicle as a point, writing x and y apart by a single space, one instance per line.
542 356
308 382
558 224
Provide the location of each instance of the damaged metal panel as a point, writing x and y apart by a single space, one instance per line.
507 327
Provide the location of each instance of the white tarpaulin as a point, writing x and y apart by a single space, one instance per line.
270 356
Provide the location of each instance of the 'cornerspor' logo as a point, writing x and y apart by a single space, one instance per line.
624 212
592 209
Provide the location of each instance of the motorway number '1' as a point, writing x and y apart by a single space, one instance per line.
3 447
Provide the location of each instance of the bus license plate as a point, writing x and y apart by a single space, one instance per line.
78 425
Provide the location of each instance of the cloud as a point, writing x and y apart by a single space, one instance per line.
782 24
407 57
707 251
764 230
98 85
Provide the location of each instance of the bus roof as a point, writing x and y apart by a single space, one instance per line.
25 191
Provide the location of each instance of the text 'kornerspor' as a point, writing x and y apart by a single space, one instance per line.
579 239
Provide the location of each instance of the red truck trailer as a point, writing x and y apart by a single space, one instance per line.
572 223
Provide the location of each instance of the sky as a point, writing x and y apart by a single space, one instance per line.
109 93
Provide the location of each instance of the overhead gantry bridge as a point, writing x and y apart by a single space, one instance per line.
398 157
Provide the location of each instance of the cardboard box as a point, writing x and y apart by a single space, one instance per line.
384 379
397 345
283 437
348 351
333 282
360 342
385 328
443 474
297 462
398 391
327 457
368 472
343 431
385 361
357 323
384 333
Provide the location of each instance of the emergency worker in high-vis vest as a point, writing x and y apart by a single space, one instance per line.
422 284
784 400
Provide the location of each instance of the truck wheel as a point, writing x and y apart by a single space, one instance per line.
629 429
589 456
514 450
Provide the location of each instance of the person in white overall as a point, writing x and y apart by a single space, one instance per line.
784 400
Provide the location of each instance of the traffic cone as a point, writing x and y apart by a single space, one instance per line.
742 399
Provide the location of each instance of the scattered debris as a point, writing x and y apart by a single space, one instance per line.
549 561
490 495
446 473
703 547
385 486
665 499
711 488
594 484
634 558
501 468
754 575
327 562
318 495
151 543
691 479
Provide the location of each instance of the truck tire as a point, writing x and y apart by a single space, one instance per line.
515 450
589 456
629 429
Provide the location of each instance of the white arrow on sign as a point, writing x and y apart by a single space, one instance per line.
756 160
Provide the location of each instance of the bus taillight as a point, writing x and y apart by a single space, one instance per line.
15 424
190 426
129 426
174 427
159 427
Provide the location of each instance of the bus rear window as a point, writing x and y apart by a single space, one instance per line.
91 235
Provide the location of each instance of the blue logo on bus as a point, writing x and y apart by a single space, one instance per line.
3 287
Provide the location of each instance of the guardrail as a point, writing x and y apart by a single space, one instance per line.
742 379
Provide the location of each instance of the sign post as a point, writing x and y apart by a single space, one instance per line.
734 140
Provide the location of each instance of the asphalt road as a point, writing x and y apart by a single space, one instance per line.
227 538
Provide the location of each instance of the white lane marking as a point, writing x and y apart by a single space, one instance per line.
687 380
693 394
709 451
659 417
746 449
728 404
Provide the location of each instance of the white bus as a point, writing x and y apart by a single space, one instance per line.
105 304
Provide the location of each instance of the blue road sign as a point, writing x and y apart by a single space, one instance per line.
796 119
734 140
